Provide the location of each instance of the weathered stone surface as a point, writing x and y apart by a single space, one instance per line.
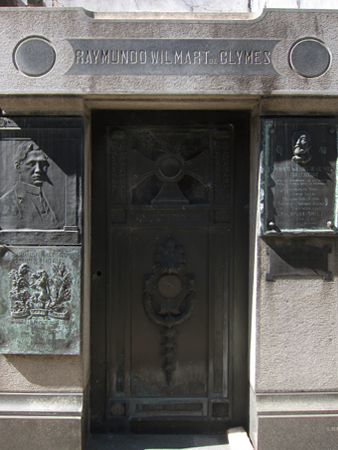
187 5
311 432
297 421
31 404
41 373
153 5
294 325
40 433
34 56
59 26
40 300
238 439
257 5
303 62
297 329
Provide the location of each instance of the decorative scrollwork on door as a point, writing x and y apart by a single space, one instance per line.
169 297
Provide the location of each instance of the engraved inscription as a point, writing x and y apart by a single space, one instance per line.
38 294
299 174
175 57
172 57
307 201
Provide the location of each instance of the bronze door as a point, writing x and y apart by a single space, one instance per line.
169 271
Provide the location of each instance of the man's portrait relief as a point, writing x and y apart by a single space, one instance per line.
33 191
301 148
25 205
40 186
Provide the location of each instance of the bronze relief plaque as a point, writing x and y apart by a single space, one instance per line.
40 300
40 186
298 175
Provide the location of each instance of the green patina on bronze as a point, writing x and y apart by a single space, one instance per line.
40 304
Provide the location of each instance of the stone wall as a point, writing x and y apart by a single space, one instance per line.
192 6
294 320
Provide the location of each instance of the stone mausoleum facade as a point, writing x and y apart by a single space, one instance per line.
168 222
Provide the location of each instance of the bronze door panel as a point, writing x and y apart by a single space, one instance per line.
163 273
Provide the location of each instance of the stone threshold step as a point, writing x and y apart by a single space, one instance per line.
157 442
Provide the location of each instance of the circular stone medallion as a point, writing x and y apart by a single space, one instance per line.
34 56
169 286
310 58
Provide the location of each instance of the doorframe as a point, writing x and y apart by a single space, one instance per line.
239 308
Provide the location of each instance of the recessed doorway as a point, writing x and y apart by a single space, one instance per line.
169 294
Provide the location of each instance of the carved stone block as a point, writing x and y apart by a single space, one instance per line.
40 300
